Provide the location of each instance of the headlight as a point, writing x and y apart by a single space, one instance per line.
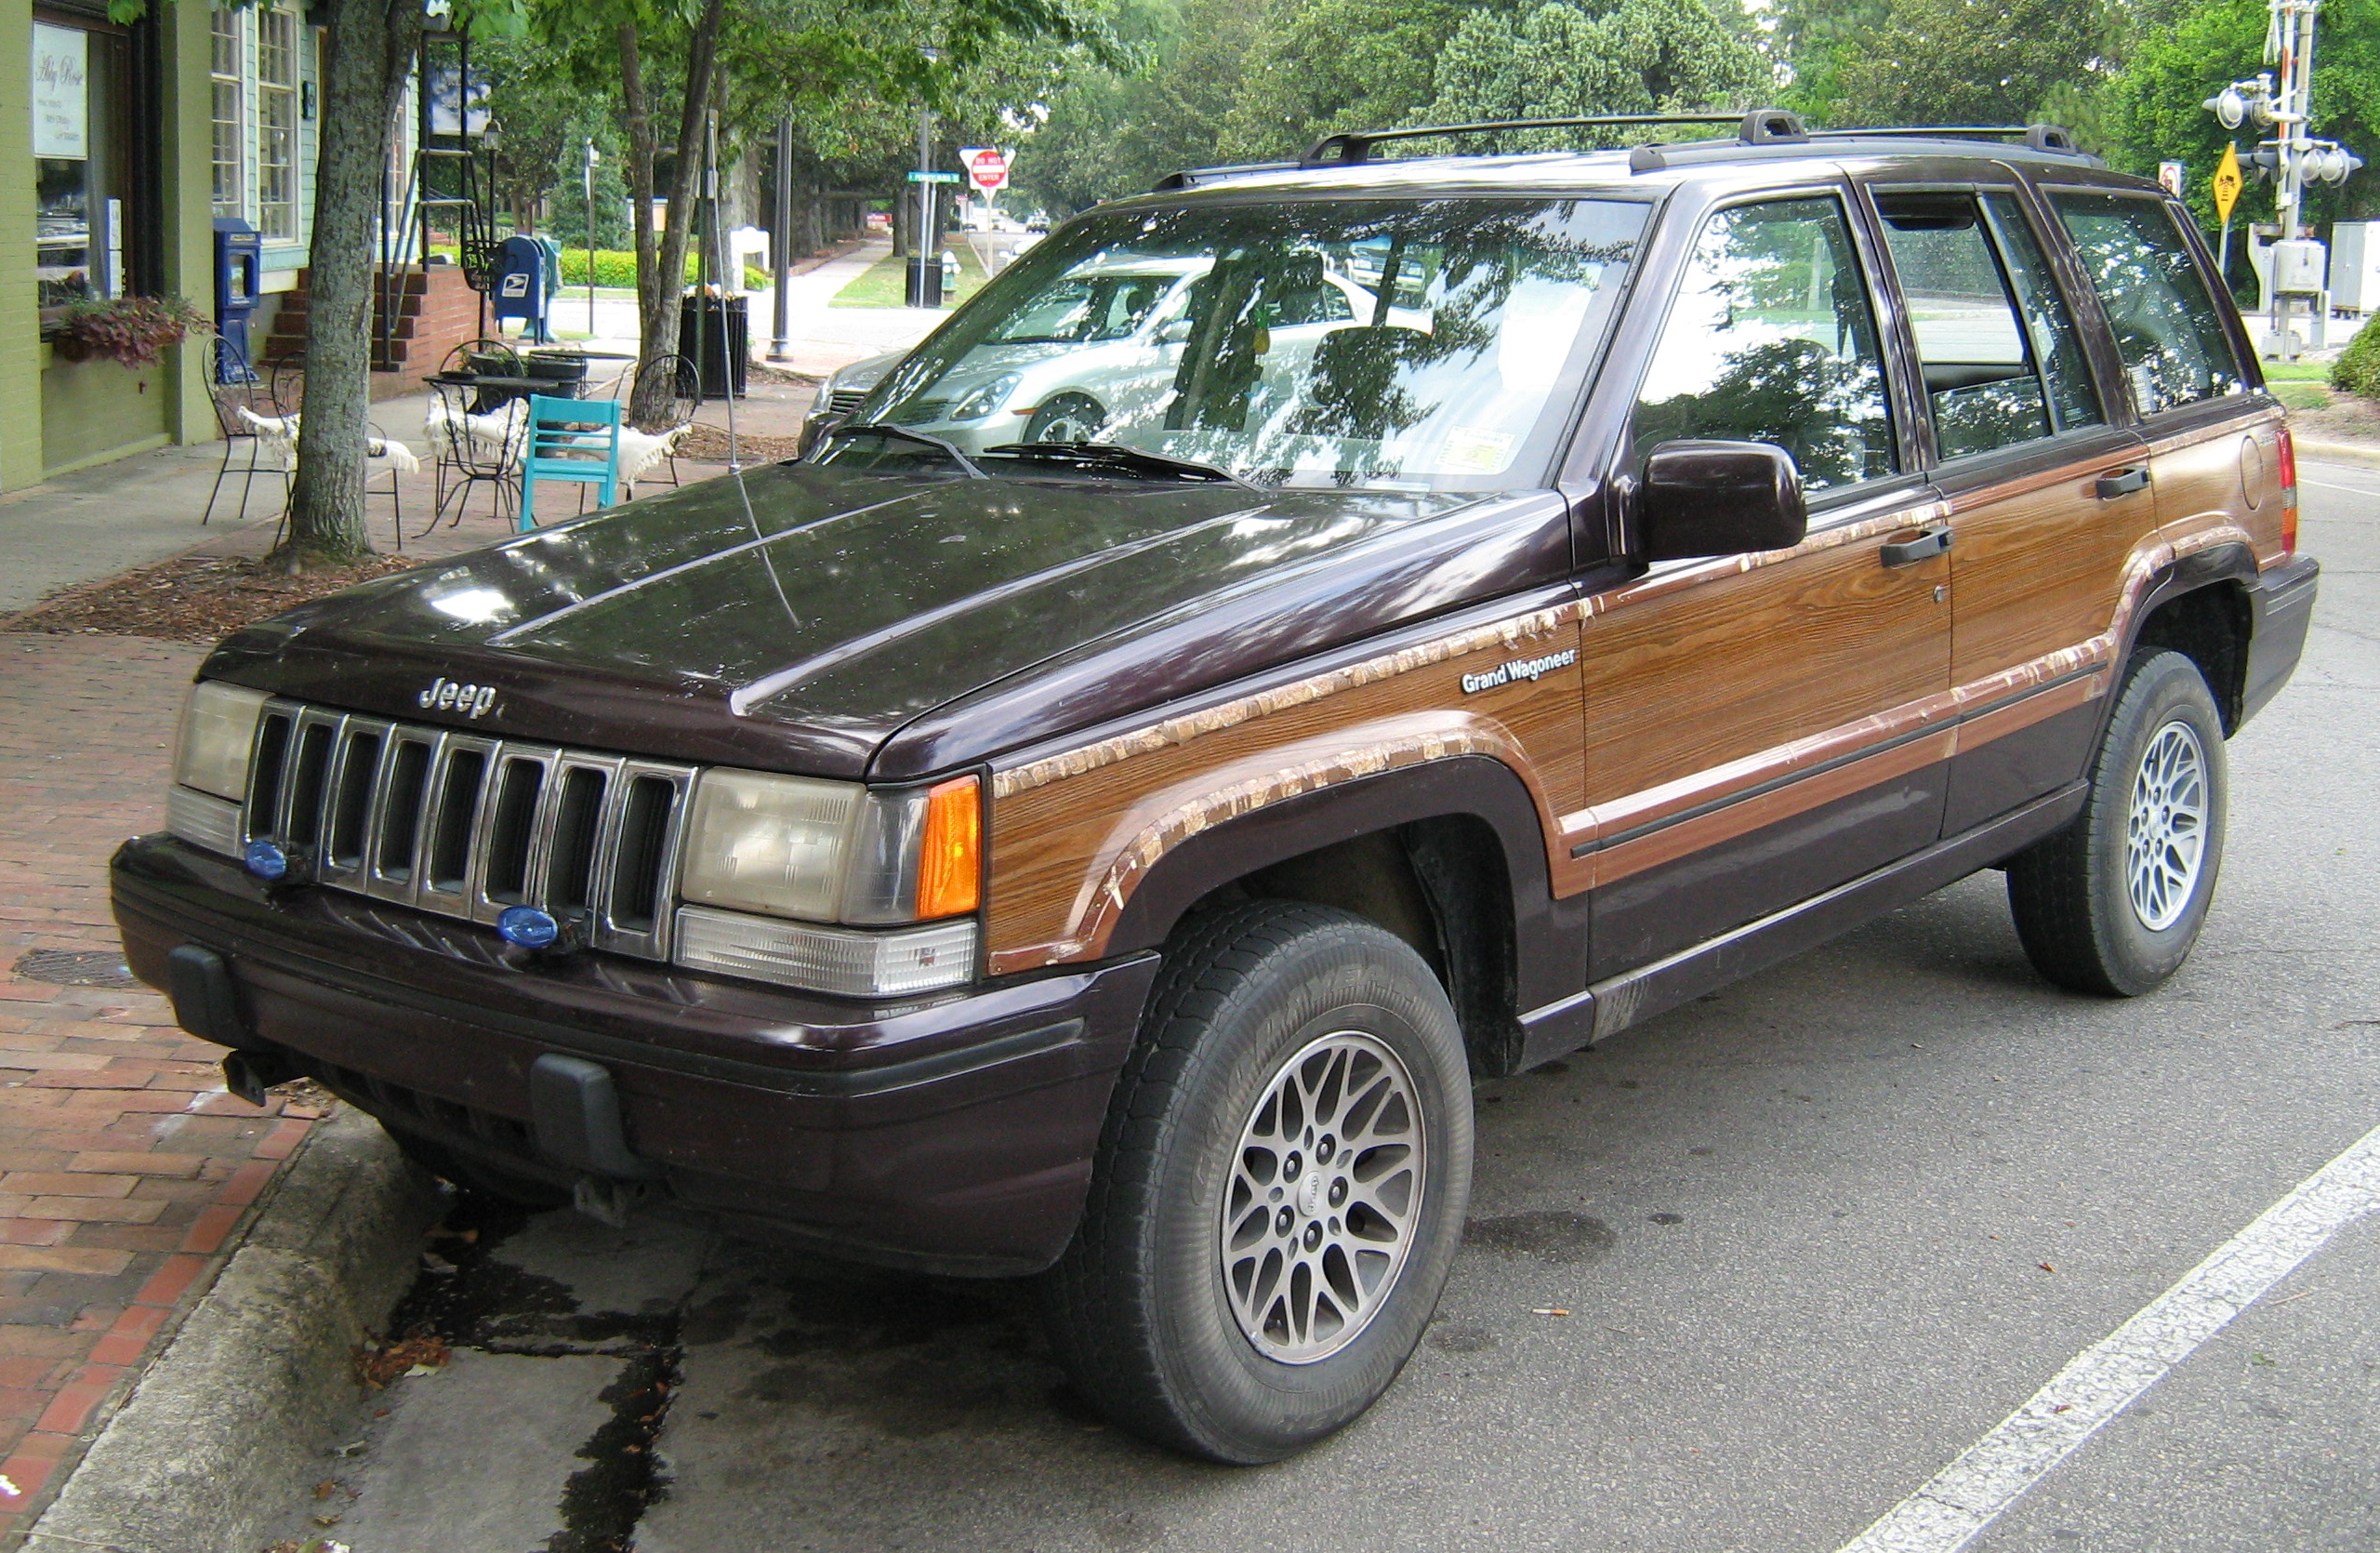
218 731
833 852
985 400
761 848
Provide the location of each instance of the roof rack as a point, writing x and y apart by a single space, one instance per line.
1760 127
2037 136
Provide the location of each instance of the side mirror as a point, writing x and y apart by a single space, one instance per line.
1704 499
1173 331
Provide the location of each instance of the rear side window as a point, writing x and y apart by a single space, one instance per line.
1772 339
1980 379
2001 362
2073 401
2174 346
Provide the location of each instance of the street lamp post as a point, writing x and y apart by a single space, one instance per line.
781 306
591 235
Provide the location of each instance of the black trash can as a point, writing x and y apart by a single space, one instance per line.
715 334
923 288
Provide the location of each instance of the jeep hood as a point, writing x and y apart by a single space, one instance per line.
800 619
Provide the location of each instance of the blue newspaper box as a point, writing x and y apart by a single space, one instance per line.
239 265
522 286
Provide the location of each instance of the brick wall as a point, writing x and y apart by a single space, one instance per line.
435 312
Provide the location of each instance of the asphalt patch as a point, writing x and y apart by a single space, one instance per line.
1549 1235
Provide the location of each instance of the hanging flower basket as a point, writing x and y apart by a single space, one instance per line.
133 330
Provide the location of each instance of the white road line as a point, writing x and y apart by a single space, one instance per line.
2351 490
1967 1495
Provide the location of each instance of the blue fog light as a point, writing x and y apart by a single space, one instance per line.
266 860
528 927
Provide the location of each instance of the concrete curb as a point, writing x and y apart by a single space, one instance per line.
2365 454
227 1426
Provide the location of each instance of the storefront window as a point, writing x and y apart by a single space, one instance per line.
81 131
277 122
226 72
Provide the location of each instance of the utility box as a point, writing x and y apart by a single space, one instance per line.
2355 266
2298 265
519 285
239 264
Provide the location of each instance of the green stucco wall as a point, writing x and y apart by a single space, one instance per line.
57 415
20 351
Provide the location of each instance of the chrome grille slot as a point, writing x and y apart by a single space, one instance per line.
845 401
264 781
509 835
355 772
465 826
396 814
578 832
454 812
299 822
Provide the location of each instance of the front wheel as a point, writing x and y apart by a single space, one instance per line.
1279 1192
1066 418
2113 903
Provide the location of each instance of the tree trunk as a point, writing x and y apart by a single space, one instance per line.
660 274
369 48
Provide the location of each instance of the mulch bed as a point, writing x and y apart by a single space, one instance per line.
188 599
2345 419
707 445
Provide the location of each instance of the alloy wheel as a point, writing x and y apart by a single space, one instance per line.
1324 1198
2166 825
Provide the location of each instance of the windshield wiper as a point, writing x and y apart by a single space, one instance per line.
1120 458
902 433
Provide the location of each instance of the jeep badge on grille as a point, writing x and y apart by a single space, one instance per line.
444 695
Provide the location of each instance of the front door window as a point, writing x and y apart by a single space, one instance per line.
1771 339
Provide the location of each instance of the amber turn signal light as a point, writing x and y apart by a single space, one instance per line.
2288 463
950 858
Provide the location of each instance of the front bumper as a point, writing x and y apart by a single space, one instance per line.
952 1132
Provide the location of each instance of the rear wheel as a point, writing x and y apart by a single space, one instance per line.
2114 902
1280 1189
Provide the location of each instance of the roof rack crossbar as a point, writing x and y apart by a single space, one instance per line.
1354 147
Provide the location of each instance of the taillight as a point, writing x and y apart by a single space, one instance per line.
2288 466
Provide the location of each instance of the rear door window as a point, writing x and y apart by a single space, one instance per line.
1997 346
1771 339
2168 326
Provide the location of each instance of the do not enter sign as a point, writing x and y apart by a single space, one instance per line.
986 169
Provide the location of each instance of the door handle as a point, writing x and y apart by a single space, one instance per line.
2123 482
1908 553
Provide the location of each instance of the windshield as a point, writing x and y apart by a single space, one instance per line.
1408 344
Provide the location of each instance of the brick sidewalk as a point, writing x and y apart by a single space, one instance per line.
125 1171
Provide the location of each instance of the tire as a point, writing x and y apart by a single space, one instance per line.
524 1191
1066 418
1192 1330
2113 903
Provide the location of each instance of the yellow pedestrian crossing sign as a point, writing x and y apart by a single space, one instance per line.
2227 183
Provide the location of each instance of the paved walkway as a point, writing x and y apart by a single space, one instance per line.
125 1171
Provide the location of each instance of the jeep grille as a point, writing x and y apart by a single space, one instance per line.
465 826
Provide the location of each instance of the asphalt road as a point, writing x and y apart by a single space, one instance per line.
1816 1235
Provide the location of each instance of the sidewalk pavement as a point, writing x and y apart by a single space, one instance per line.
125 1171
127 1175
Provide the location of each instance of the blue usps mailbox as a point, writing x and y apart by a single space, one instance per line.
522 286
239 263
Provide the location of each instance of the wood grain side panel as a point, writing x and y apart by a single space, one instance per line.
1071 834
2041 564
2221 483
1690 674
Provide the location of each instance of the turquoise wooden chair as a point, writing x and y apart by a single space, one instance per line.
576 439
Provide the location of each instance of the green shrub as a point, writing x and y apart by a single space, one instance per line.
2358 369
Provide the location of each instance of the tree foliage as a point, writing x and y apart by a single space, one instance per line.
1559 59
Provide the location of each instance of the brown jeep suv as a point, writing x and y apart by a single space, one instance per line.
1300 640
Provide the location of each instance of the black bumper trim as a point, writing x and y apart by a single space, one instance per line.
1062 992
